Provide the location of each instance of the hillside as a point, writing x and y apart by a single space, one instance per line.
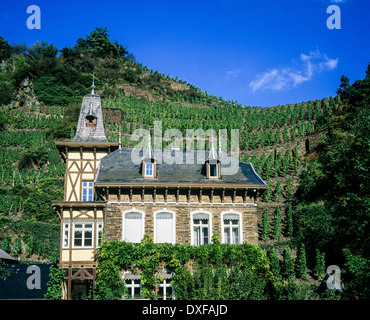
41 98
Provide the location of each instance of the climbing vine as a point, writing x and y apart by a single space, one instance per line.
213 271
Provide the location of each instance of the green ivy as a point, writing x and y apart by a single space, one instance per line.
54 286
212 271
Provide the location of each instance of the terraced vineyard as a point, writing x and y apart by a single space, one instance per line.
275 140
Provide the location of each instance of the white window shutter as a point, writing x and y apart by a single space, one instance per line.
164 227
133 227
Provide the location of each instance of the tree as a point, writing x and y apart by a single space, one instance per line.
98 43
344 84
43 49
265 225
275 262
333 192
319 263
277 194
289 217
288 263
5 49
301 263
277 223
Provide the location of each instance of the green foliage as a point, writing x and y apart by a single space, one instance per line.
288 263
36 199
289 218
277 193
39 238
277 223
265 225
319 263
199 272
333 194
357 274
99 44
291 289
54 285
314 226
43 49
301 262
275 263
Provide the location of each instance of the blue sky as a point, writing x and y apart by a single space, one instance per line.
259 53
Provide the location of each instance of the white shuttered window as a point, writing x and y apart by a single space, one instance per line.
133 227
164 227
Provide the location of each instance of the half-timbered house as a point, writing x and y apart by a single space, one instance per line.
105 190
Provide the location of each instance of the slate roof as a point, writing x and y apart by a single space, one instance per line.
5 256
118 167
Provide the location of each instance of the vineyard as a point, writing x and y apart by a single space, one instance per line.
298 149
273 139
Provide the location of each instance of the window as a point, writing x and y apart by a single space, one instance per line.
82 234
165 291
66 225
133 288
99 232
164 227
231 228
201 229
87 191
133 226
149 169
213 171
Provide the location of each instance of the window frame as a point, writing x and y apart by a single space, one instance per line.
150 170
209 218
90 186
240 225
83 230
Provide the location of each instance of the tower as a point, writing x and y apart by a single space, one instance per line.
81 213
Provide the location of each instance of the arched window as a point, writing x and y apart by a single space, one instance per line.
164 227
231 227
133 226
201 228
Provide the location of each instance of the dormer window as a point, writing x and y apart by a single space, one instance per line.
149 164
213 171
149 169
213 164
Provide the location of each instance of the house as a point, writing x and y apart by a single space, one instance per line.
107 190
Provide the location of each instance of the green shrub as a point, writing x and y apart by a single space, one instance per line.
213 271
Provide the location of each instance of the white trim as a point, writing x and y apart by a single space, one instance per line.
192 213
173 224
97 173
240 225
98 221
83 222
149 175
142 221
254 171
68 236
187 203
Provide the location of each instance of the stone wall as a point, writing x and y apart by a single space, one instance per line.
113 219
